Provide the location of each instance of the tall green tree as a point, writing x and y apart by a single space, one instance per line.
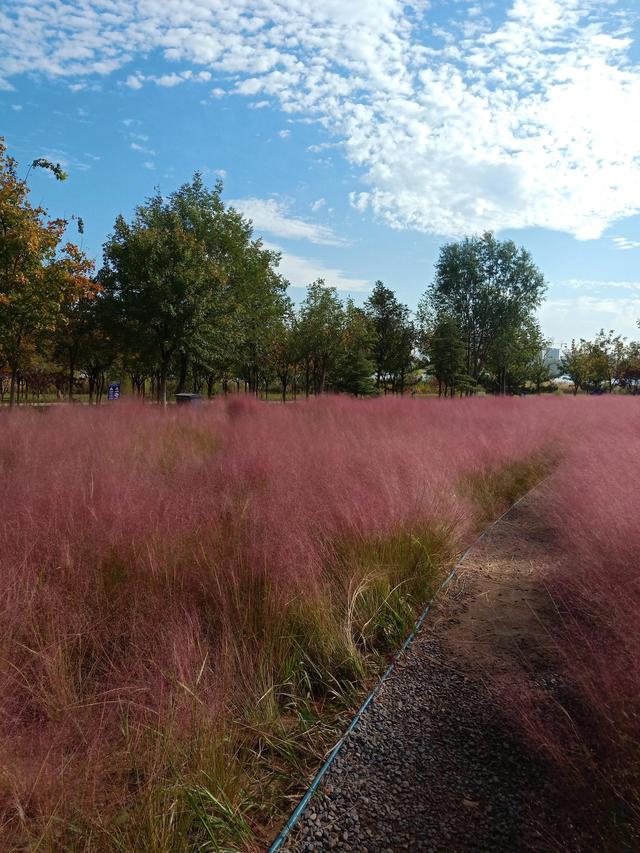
78 291
444 348
354 370
490 287
318 332
261 307
159 275
192 287
394 337
516 358
607 356
575 364
630 368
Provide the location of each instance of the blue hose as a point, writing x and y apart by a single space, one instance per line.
313 787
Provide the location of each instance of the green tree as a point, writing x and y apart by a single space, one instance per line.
517 358
261 307
491 289
195 294
318 333
630 369
78 290
394 338
283 350
607 356
99 344
166 285
445 351
354 364
575 364
539 366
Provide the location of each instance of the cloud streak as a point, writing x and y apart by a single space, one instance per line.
272 216
301 271
624 244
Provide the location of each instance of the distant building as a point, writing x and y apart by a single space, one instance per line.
552 361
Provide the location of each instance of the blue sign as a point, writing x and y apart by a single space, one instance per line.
114 391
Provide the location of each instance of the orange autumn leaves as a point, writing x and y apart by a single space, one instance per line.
41 279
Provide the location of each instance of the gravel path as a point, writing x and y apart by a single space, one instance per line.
433 764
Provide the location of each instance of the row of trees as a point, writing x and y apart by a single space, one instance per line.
188 298
605 363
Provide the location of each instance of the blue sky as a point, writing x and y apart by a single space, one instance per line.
358 136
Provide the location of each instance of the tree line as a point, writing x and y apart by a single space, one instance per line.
603 364
188 299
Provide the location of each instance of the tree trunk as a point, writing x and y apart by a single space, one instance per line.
323 375
182 380
162 385
71 371
12 386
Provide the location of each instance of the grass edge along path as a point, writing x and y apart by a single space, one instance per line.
489 490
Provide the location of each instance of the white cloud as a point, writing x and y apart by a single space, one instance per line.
141 149
301 271
599 285
318 204
284 134
271 215
167 81
624 243
134 81
527 118
149 164
579 308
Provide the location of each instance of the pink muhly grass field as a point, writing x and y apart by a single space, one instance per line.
178 586
592 503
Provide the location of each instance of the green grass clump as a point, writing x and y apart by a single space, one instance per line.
494 490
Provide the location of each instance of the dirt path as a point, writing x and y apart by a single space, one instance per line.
435 764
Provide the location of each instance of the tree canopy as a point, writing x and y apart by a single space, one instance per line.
487 290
